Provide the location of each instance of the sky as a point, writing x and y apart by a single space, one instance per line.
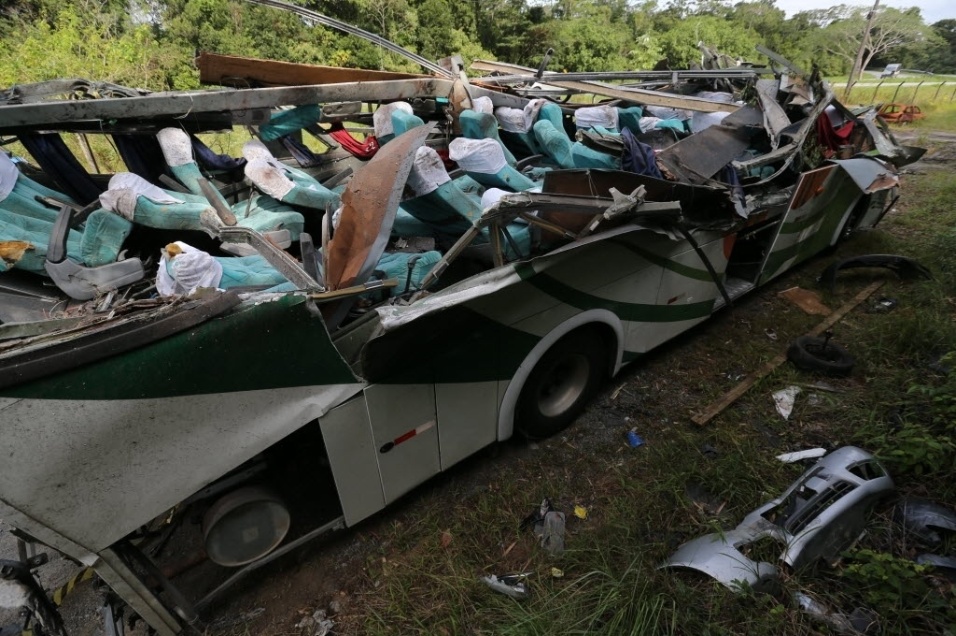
932 10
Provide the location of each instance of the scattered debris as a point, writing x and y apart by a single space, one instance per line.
882 305
860 621
784 400
535 520
945 565
581 512
318 624
906 268
633 439
808 301
820 355
716 408
798 456
709 451
816 518
512 585
924 519
360 296
770 333
552 537
557 573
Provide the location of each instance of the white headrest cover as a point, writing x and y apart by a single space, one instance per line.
8 175
126 187
382 118
428 172
269 177
177 148
483 104
255 149
591 116
477 155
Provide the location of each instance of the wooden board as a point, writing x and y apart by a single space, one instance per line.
231 70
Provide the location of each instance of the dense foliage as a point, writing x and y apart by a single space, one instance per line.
150 43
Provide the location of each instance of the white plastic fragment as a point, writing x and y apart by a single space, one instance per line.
512 586
796 456
784 400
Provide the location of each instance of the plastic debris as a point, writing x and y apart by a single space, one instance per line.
581 512
771 334
859 621
633 439
796 456
557 573
924 519
319 624
882 305
945 565
512 585
784 400
552 538
535 520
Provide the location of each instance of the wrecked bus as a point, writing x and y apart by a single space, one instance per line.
284 344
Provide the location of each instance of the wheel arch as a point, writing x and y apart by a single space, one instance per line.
607 325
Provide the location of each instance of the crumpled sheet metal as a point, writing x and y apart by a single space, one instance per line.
817 517
869 174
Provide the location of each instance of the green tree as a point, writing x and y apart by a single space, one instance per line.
842 33
80 40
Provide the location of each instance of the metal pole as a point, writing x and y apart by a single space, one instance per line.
913 100
897 92
858 63
936 94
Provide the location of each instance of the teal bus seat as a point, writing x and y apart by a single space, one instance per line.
484 161
382 120
475 125
403 121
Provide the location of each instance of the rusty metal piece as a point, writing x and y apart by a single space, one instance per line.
369 204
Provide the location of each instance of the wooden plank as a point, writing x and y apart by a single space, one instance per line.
715 408
233 70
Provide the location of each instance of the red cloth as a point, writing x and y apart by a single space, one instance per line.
832 138
362 150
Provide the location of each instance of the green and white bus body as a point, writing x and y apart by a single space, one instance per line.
399 395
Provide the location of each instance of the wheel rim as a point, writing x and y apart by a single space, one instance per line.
564 384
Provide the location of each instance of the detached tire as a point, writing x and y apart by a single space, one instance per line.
816 354
560 385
